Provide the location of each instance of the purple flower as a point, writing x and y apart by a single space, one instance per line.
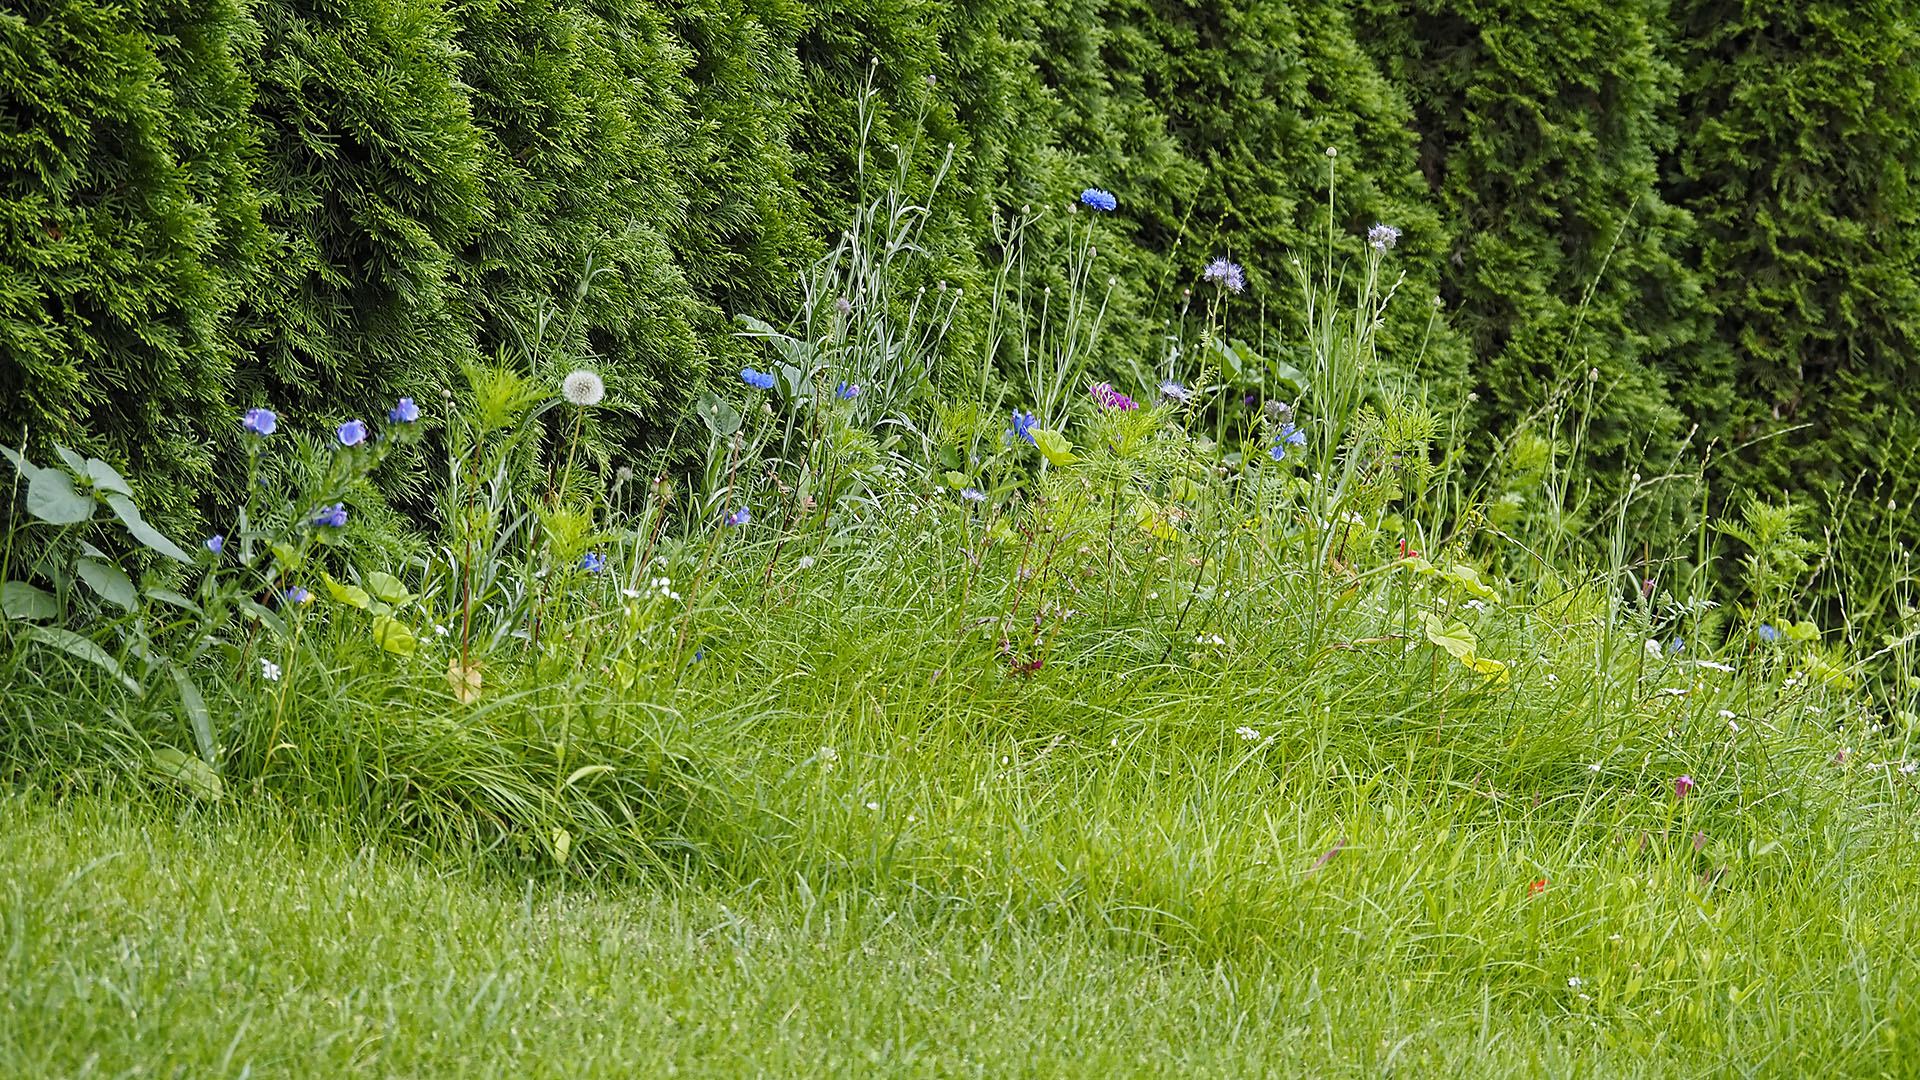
1099 200
332 517
352 433
973 495
1173 391
296 595
1228 275
1108 398
758 379
1382 237
1682 785
739 517
847 391
1023 425
1289 435
216 542
843 305
406 412
593 563
260 421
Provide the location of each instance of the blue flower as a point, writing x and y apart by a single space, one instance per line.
1676 646
352 433
216 542
1228 275
332 517
593 563
296 595
739 517
1768 634
406 412
1382 237
973 495
757 379
1289 436
1173 391
260 421
1023 425
847 391
1099 200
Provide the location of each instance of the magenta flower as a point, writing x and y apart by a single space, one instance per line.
1682 785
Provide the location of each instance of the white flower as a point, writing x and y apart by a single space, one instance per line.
1576 982
805 563
1595 767
1246 733
873 806
583 387
1909 767
1735 725
1713 665
269 670
1475 604
1209 639
440 630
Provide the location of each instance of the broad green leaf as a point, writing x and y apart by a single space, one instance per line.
110 582
956 479
392 635
143 532
106 478
1454 637
197 775
52 499
19 600
272 619
195 707
168 596
562 846
74 461
352 595
1492 669
287 555
81 648
386 587
1418 564
1057 447
721 418
1469 579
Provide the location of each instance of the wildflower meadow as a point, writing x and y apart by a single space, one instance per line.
1066 662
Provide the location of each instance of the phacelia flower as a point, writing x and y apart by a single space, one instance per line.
352 433
1228 275
296 595
1099 200
843 305
582 388
739 517
847 391
1173 391
1768 634
216 543
1289 435
1682 785
1108 398
1382 237
406 412
758 379
261 422
974 495
1023 423
593 563
332 517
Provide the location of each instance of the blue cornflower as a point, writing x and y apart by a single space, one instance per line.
847 391
1228 275
1099 200
1768 634
1289 436
333 517
260 421
1023 425
296 595
352 433
406 412
593 563
1677 646
973 495
757 379
216 543
739 517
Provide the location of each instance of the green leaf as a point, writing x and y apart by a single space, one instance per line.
52 499
386 587
1454 637
106 478
143 532
81 648
351 595
562 845
1057 447
110 582
582 773
168 596
721 418
1469 579
74 461
392 635
956 479
19 600
195 706
197 775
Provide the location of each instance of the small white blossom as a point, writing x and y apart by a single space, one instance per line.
1246 733
269 670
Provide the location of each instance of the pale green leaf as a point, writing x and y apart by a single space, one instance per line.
110 582
392 635
19 600
385 586
130 517
81 648
197 775
52 499
195 706
1057 447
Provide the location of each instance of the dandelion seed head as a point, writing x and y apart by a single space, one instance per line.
583 388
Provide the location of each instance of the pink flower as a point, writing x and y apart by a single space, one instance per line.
1682 785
